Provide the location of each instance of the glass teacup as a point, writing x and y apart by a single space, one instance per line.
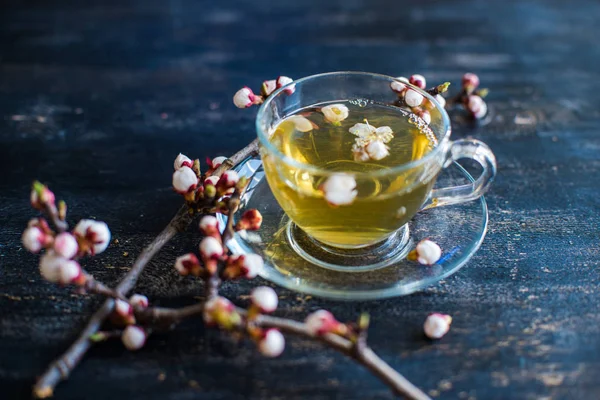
379 201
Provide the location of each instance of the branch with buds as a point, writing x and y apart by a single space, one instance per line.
218 190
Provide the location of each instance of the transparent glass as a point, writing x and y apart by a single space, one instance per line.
372 222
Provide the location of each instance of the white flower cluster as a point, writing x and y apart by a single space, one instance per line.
370 143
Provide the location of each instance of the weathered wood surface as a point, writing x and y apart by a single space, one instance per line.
97 97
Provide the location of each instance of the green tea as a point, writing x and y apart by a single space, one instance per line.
383 199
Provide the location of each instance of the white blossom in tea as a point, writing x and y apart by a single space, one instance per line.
184 180
268 87
264 298
441 100
139 300
272 344
182 161
428 252
335 113
302 124
50 264
211 248
133 337
96 233
65 245
437 325
69 272
476 106
362 130
33 239
418 80
283 81
245 98
339 189
413 98
377 150
359 153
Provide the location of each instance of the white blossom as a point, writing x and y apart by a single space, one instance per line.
264 298
184 180
428 252
360 154
244 98
362 130
186 263
65 245
214 306
413 98
377 150
33 239
50 264
273 344
437 325
399 85
301 123
211 247
211 180
209 224
96 232
340 189
182 160
123 308
229 179
133 338
217 161
268 87
68 272
284 80
335 113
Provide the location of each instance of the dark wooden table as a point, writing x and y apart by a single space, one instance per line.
97 98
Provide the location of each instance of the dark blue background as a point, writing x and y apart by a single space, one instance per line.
97 98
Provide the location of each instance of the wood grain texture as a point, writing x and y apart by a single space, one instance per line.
97 98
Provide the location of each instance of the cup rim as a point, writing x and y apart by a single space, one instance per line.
264 139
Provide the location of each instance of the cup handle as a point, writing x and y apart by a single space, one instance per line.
475 150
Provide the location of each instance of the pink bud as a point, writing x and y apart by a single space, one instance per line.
133 337
418 81
213 307
284 80
252 264
50 264
470 81
217 161
65 245
264 298
228 180
476 106
33 239
321 322
437 325
245 98
399 85
187 264
95 233
123 308
272 344
209 225
211 248
268 87
412 98
250 220
42 196
182 161
69 272
139 300
184 180
211 180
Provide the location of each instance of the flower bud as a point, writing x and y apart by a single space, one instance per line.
188 264
470 82
182 161
184 180
211 248
437 325
50 264
426 252
94 235
123 309
335 113
476 106
377 150
220 311
245 265
65 245
399 85
268 87
211 180
322 321
441 100
69 272
418 81
412 98
284 80
245 98
339 189
272 344
424 115
264 298
133 338
33 239
41 196
227 181
250 220
217 161
209 225
139 300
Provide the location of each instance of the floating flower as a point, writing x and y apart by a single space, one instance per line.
133 337
264 298
188 264
359 153
272 344
426 252
211 248
182 161
268 87
95 234
245 98
65 245
284 80
368 132
437 325
184 180
413 98
339 189
335 113
418 81
377 150
476 106
301 123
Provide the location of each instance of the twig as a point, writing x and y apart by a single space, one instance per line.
60 368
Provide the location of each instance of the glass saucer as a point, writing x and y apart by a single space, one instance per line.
459 230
